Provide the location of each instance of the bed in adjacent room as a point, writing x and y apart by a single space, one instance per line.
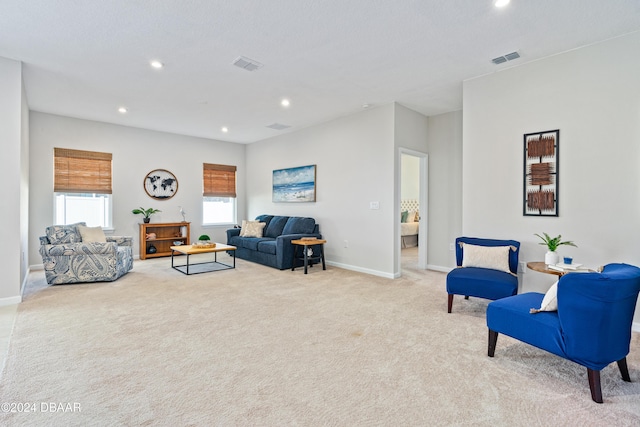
409 223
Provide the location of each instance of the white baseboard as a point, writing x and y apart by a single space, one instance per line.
635 327
439 268
362 270
10 300
36 267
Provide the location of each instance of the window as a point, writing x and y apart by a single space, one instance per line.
218 194
82 187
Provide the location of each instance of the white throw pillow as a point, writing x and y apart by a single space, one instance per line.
550 300
412 216
92 234
493 257
252 228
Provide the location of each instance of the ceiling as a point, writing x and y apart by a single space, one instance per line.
86 58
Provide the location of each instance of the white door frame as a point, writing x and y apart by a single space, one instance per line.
424 208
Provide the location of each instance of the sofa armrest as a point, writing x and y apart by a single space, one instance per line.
83 248
231 232
121 240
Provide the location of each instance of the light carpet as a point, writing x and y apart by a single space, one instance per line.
258 346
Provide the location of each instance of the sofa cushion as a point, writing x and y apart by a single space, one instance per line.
298 225
274 229
62 234
92 234
252 229
267 246
266 219
252 242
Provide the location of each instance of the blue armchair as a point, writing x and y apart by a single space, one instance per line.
592 324
486 269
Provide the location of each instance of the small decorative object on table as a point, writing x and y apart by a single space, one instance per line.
552 243
204 241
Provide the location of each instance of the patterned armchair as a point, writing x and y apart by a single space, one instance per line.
67 259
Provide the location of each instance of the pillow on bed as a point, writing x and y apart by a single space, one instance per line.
493 257
403 216
412 216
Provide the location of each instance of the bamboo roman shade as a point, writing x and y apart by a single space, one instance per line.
219 180
79 171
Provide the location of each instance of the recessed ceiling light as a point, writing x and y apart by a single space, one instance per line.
156 64
224 129
366 105
122 110
501 3
285 102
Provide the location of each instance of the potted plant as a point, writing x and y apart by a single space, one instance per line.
205 241
552 243
146 213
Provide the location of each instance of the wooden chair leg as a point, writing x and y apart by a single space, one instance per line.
594 385
449 303
493 339
624 370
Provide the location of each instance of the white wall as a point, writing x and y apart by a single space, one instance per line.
593 96
135 153
11 138
445 188
355 166
409 177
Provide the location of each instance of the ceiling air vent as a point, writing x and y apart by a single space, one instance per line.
278 126
508 57
247 63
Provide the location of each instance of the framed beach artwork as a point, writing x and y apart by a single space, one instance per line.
295 184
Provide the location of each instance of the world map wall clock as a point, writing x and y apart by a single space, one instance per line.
160 184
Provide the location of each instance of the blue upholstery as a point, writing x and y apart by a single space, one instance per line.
275 248
483 282
592 326
67 259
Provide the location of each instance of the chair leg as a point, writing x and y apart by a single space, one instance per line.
594 385
466 297
624 370
449 303
493 339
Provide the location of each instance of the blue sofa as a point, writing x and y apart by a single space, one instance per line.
274 249
591 326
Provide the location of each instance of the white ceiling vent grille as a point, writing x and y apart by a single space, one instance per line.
247 63
278 126
508 57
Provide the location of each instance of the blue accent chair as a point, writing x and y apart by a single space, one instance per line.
483 282
592 326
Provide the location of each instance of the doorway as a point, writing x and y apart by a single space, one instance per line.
412 196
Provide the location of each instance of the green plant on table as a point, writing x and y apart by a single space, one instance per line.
204 238
552 243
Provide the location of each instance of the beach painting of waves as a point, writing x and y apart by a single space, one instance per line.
295 184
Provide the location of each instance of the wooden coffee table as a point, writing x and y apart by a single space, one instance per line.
202 267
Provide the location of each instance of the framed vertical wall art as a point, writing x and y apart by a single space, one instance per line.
541 160
295 184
